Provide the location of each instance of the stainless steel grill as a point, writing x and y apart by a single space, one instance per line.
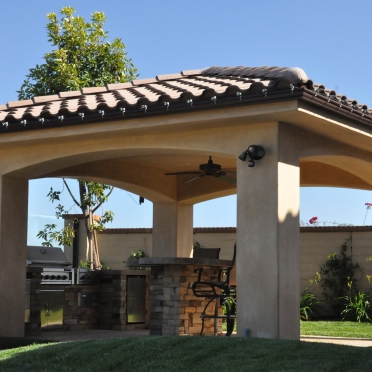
56 276
54 263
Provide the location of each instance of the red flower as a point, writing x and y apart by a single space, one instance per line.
368 204
313 220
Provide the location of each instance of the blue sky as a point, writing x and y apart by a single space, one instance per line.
330 40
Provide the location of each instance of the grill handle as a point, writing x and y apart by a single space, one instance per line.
48 308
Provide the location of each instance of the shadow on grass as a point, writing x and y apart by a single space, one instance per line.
13 342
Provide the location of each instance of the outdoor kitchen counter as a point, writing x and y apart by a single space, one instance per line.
174 310
160 261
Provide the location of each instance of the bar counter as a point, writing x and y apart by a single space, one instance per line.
174 310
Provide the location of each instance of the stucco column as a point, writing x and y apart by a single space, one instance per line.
13 242
172 233
268 239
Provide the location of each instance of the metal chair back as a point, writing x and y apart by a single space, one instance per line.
206 253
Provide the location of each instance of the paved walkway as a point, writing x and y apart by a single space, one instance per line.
100 334
361 342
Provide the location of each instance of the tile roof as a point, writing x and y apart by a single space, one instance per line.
188 89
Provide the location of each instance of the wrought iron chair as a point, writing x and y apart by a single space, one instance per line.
219 291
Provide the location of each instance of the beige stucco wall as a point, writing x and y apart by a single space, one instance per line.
316 246
314 249
116 248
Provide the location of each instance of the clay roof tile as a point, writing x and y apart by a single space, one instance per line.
187 87
42 99
144 81
168 77
27 102
93 90
119 86
191 72
74 93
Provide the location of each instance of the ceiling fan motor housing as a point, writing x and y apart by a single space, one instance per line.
210 168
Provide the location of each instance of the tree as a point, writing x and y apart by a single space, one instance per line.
92 196
83 58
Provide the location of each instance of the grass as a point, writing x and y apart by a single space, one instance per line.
179 354
336 329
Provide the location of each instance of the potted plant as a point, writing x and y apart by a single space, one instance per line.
133 259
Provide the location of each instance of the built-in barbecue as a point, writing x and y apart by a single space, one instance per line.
56 267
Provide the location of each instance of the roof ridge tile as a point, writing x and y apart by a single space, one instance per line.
144 81
118 86
70 94
91 90
191 72
21 103
168 77
44 99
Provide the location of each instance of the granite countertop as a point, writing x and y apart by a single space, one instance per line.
158 261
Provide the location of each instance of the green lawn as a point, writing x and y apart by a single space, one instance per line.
337 329
179 354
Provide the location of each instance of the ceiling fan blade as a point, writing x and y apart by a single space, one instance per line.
176 173
195 178
228 179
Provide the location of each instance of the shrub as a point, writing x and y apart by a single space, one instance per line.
357 308
336 273
309 303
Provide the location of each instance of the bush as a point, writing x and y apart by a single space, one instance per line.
309 303
336 274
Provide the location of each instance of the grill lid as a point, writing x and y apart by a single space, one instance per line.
46 257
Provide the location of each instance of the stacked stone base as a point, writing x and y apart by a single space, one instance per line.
174 310
107 310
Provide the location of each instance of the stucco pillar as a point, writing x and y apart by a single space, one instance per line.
172 231
13 242
268 239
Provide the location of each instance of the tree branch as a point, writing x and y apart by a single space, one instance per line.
72 196
108 194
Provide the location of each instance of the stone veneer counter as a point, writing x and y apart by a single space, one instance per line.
174 310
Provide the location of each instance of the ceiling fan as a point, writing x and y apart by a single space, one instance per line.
208 169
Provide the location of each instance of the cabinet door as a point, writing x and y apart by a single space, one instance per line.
52 308
136 299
